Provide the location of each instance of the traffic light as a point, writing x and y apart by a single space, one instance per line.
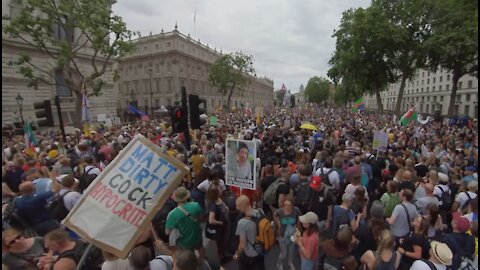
179 119
194 103
44 110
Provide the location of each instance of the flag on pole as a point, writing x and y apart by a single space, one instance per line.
86 118
410 115
195 15
359 105
30 141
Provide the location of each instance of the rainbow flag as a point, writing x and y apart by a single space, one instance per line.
410 115
30 141
359 105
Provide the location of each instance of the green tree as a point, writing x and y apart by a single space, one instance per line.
81 38
454 41
230 72
362 48
409 24
317 90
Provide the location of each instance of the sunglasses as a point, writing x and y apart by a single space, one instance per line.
11 242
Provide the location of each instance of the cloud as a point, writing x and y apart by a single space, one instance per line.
290 40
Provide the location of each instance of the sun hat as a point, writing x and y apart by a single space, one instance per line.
181 194
309 217
442 252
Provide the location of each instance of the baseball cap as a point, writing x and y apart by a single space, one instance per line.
462 223
316 182
309 217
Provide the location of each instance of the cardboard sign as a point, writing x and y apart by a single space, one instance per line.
380 140
119 205
241 163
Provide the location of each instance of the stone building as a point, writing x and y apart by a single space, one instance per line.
152 76
430 92
14 84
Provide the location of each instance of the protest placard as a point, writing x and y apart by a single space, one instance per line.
213 120
119 205
380 140
241 163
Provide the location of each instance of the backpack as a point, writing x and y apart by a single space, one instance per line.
160 219
86 179
303 194
393 200
446 199
12 216
326 180
57 207
93 261
167 260
270 195
467 203
265 236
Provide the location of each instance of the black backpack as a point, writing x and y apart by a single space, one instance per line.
446 199
85 180
93 261
57 207
303 194
326 181
467 203
160 219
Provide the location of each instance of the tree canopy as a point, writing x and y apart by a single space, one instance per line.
230 73
317 90
81 37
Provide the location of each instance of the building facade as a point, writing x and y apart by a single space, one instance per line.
430 92
14 84
152 76
300 96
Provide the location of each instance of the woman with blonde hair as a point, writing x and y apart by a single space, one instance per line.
385 257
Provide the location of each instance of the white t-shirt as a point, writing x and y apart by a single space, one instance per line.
333 177
462 198
70 199
203 186
120 264
89 169
161 262
420 265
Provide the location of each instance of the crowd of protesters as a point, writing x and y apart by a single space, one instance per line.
338 204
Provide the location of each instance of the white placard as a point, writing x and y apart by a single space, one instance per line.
380 140
241 163
118 206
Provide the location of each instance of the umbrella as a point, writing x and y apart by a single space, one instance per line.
308 126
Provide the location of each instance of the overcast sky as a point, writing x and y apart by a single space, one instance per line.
290 40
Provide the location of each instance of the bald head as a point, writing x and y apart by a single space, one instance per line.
26 188
242 203
407 175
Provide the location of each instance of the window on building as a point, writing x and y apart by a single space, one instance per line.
448 87
433 88
423 81
459 85
467 97
458 98
441 78
422 89
427 89
421 107
428 99
158 85
423 74
467 110
448 77
434 98
470 84
434 79
61 85
441 98
169 44
428 81
417 83
439 88
426 108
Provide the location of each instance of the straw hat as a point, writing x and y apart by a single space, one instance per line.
442 252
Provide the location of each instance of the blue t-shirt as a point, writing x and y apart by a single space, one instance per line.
42 185
341 216
32 207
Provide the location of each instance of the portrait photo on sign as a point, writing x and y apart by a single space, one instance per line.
241 158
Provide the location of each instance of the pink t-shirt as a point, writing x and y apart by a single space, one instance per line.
310 243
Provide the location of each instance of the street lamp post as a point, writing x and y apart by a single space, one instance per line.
19 100
151 93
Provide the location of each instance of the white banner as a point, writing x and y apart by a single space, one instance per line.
380 141
119 205
241 163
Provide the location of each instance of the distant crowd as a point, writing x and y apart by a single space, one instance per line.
324 198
